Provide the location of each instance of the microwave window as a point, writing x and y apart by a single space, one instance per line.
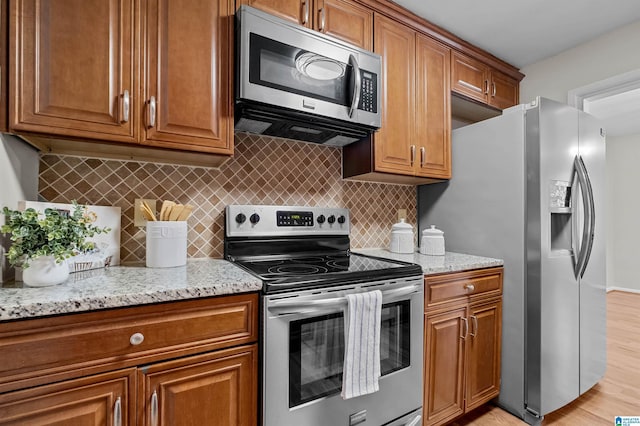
283 67
316 351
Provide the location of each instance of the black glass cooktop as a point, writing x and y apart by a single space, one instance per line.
291 272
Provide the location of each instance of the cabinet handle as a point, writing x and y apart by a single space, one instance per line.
413 154
493 90
423 155
470 287
323 19
125 106
474 325
466 328
486 87
152 112
136 339
154 409
117 413
305 13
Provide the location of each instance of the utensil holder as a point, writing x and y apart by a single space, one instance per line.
166 244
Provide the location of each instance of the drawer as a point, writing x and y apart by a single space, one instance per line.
462 285
125 336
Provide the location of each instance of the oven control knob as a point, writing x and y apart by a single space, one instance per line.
320 219
331 219
240 218
254 218
341 219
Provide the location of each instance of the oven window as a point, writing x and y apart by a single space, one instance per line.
316 351
280 66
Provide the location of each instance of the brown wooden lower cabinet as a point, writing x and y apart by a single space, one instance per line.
104 399
216 389
462 343
178 363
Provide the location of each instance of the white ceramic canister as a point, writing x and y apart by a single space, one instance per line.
432 241
401 238
166 244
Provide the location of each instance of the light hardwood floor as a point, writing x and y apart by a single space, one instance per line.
618 394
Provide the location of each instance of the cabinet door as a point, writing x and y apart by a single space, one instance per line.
345 20
73 68
188 75
444 341
394 141
504 91
93 401
215 389
469 77
296 11
483 347
433 108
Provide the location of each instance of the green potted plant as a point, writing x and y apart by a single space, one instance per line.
41 243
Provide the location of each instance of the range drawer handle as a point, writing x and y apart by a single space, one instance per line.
470 287
136 339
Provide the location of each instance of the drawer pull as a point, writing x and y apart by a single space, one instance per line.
470 287
136 339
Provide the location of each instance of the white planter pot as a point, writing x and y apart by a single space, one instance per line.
44 271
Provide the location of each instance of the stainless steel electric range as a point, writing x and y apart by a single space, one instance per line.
302 255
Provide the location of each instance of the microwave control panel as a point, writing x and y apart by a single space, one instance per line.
369 92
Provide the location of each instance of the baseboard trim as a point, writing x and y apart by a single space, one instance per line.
627 290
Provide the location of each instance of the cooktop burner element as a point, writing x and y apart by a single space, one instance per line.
291 248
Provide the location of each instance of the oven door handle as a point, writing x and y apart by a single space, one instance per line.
306 305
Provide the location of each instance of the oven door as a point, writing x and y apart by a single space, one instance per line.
304 354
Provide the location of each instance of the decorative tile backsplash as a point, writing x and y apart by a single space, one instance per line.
263 170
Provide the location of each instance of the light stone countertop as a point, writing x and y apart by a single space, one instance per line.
120 286
450 262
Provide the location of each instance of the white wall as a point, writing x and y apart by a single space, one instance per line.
623 227
19 164
607 56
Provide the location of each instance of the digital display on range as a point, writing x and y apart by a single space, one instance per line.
294 218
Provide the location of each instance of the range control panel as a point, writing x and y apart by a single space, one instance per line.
259 220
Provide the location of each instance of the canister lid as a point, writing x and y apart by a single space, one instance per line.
432 231
402 227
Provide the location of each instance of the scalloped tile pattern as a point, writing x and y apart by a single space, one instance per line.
263 170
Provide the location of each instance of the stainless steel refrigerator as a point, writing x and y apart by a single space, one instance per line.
529 187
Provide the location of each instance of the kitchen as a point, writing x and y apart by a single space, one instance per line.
270 171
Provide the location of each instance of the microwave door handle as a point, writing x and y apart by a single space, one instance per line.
355 98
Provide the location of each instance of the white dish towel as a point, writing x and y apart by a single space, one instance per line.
361 369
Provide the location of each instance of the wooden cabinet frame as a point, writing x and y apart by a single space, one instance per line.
463 332
89 364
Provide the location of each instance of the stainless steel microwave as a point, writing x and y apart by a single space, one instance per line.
300 84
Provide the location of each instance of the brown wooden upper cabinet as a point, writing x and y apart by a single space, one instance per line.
413 144
91 69
474 79
343 19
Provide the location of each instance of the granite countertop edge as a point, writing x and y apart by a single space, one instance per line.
125 286
450 262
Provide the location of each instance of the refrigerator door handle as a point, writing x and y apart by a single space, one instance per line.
591 215
588 224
